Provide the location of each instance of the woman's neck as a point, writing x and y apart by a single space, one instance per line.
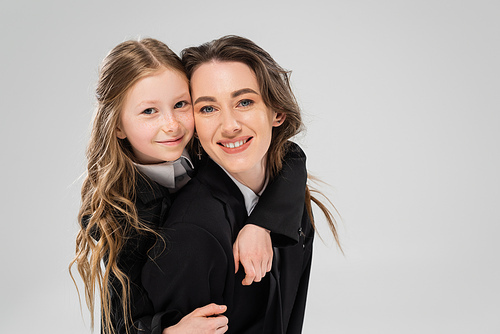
254 179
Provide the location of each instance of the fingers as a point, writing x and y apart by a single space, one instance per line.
212 325
263 268
269 264
222 330
217 324
203 320
236 254
209 310
220 322
254 272
253 249
250 272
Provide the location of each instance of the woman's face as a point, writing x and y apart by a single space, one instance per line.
157 117
232 121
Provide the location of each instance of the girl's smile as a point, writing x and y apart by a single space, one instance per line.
171 142
157 117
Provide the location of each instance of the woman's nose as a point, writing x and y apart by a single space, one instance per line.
230 123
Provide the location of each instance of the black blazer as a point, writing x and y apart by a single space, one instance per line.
197 265
153 202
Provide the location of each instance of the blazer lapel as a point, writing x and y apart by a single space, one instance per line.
224 190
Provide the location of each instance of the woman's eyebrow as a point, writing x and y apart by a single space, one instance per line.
233 95
243 91
205 99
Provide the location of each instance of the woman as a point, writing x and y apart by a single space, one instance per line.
136 162
245 113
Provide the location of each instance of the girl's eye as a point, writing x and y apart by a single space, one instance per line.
245 103
149 111
180 104
207 109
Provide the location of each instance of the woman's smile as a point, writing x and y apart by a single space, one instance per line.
233 123
235 145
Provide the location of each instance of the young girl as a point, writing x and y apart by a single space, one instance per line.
136 162
245 113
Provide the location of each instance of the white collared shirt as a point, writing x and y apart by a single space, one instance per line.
170 174
251 198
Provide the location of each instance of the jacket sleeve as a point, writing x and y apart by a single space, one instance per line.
147 323
152 202
187 274
150 324
281 206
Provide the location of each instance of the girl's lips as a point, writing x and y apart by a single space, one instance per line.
171 142
236 145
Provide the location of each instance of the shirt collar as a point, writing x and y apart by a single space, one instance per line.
251 198
170 174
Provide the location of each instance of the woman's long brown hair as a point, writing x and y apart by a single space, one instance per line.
274 83
108 213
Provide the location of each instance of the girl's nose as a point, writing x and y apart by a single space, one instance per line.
169 122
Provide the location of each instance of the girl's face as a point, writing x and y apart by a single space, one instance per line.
232 121
157 117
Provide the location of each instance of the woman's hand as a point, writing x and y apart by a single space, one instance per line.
204 320
254 249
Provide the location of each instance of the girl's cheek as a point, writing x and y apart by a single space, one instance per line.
187 119
147 127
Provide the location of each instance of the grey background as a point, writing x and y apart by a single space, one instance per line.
401 103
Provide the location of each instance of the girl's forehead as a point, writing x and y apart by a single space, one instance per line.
163 68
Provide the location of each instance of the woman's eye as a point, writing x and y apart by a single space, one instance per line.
149 111
180 104
245 103
207 109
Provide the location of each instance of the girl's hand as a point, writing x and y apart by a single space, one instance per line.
204 320
254 249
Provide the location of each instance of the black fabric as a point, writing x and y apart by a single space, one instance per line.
198 267
282 195
153 202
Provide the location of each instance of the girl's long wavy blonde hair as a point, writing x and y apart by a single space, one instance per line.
274 83
107 213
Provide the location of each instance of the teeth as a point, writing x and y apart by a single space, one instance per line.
235 144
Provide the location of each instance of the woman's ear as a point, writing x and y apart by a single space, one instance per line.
120 133
279 118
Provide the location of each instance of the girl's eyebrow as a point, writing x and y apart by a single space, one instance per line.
147 102
176 97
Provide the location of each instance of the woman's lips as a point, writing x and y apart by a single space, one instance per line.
236 145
